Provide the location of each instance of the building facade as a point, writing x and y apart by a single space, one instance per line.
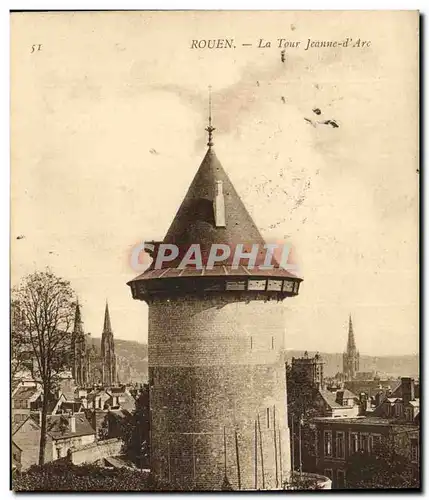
339 440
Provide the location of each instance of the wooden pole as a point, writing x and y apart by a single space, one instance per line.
275 446
238 460
256 455
168 459
280 456
262 454
224 449
293 448
300 446
193 460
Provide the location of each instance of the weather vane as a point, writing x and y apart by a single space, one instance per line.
210 129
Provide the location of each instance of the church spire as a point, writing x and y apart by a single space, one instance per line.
351 356
78 347
107 325
210 129
351 344
108 351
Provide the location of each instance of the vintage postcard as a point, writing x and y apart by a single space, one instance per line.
214 250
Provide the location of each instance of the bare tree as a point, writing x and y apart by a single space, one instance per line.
46 308
19 349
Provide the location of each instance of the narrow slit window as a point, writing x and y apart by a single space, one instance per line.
268 418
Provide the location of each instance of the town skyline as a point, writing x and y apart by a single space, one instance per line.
125 126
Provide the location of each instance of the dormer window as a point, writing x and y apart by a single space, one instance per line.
219 205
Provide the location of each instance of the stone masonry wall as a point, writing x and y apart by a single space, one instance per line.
95 451
218 393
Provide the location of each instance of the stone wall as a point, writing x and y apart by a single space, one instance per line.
218 393
95 451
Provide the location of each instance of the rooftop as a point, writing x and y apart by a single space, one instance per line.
194 221
212 213
365 420
59 426
25 393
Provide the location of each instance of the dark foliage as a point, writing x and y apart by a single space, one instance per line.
58 476
384 469
135 430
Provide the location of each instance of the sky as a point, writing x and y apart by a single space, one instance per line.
107 132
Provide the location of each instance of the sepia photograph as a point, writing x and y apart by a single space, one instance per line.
214 251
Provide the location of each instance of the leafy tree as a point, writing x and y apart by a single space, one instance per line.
386 468
301 395
139 443
136 430
46 317
301 398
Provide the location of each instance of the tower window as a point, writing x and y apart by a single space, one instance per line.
268 418
272 342
251 343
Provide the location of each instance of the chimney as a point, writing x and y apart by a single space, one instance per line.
219 205
364 403
72 423
379 397
407 387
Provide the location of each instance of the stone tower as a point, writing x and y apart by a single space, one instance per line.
309 370
108 351
79 349
216 367
351 356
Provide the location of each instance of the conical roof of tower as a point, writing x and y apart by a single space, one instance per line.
107 328
211 213
194 221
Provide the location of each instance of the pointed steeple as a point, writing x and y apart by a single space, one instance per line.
108 351
78 325
107 328
78 347
351 356
195 220
351 344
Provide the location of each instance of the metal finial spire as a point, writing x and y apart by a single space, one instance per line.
210 129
